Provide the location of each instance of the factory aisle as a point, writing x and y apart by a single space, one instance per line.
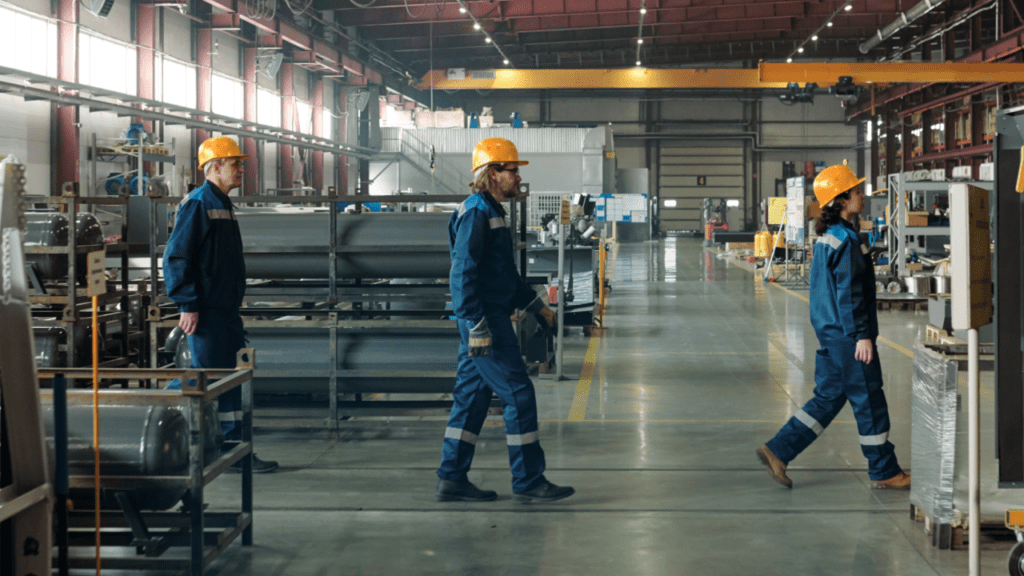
699 366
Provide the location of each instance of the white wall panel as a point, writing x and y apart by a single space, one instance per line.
34 6
177 40
26 135
226 59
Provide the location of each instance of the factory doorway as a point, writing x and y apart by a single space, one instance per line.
688 174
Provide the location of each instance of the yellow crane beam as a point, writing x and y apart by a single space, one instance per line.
766 75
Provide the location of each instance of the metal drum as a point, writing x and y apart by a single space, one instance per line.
134 441
941 285
50 229
287 245
51 346
918 285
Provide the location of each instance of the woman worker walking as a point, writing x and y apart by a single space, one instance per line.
846 323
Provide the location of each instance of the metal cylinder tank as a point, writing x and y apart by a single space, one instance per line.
51 346
135 441
51 229
280 245
301 350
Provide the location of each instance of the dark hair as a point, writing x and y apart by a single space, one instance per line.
830 214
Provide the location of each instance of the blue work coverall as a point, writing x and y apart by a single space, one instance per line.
843 312
485 283
204 272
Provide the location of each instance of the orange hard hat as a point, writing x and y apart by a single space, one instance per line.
219 147
833 181
495 151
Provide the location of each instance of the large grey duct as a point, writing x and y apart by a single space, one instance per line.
286 245
299 360
50 229
903 21
134 441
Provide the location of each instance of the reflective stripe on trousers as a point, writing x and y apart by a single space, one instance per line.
840 377
477 380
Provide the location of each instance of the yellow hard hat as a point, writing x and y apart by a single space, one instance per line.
219 147
833 181
495 151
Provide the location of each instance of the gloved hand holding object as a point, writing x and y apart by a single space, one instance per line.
545 315
480 339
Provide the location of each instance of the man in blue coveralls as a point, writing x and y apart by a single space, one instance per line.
204 273
486 288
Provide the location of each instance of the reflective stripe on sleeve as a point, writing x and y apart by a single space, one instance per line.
522 439
876 440
497 223
220 215
830 240
460 434
809 421
479 341
863 249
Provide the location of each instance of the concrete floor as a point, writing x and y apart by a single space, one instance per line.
700 365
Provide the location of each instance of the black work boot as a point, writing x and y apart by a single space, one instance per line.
448 491
546 492
258 466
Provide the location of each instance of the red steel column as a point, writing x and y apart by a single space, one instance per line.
287 173
318 130
249 144
204 79
145 37
67 116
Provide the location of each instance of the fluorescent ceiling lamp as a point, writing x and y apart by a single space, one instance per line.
814 38
476 25
506 61
487 39
670 203
643 10
639 40
829 24
789 59
800 49
462 9
637 62
732 203
848 7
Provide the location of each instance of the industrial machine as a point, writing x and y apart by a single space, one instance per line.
714 215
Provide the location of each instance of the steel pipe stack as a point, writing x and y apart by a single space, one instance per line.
296 244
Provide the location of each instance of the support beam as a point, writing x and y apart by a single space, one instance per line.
318 130
252 166
67 144
204 81
767 75
145 39
286 175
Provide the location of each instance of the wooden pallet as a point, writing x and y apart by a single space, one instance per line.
956 536
934 333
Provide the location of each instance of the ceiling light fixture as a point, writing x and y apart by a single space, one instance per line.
464 9
846 6
640 31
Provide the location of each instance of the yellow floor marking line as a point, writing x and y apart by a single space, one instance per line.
645 354
881 339
896 346
579 403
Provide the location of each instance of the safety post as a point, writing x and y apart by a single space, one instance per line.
562 223
970 309
96 286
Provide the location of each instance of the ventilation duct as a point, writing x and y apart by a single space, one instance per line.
902 22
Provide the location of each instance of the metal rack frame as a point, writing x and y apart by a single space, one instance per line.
162 316
188 527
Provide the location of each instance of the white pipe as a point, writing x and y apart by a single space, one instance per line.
973 454
561 301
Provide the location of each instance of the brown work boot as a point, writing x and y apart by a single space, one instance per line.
776 469
900 481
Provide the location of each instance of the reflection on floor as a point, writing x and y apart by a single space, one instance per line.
700 365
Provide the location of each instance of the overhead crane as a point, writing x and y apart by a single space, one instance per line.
768 75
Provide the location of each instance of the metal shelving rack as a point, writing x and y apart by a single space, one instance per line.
898 231
162 314
74 299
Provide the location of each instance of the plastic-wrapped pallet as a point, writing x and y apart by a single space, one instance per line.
933 434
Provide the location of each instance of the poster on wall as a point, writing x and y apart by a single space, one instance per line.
795 222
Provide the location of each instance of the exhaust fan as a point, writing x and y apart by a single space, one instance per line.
100 8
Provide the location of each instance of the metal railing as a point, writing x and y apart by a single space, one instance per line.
445 177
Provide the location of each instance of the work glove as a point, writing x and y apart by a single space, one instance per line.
545 316
480 339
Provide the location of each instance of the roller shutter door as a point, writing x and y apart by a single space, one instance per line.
689 174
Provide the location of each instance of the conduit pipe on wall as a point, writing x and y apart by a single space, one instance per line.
902 22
